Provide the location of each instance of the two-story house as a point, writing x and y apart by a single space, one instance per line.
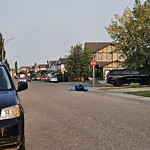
105 56
62 64
57 65
53 65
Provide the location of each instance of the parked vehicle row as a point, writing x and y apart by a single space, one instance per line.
43 75
51 78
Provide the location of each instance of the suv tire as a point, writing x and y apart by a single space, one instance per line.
118 82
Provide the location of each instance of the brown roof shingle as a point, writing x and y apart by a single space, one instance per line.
95 46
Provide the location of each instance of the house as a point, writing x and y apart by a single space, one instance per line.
39 67
24 69
62 64
43 66
57 65
105 56
53 65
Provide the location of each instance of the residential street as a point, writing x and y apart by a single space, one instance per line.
59 119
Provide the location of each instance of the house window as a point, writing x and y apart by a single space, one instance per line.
100 56
119 55
108 56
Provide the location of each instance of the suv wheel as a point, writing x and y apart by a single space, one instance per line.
118 83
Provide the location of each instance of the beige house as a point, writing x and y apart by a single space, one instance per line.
105 56
62 64
39 67
43 66
57 65
24 69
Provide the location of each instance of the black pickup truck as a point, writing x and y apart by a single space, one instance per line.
119 77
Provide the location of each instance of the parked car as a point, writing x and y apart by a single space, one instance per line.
39 74
53 78
23 79
118 77
11 112
44 78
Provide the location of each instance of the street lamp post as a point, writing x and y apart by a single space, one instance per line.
4 43
11 62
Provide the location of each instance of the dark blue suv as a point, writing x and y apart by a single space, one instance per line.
11 112
118 77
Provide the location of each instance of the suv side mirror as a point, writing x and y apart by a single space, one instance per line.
22 86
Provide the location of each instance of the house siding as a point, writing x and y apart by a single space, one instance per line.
105 56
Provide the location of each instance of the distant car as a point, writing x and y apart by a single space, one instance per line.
11 112
44 78
23 79
53 78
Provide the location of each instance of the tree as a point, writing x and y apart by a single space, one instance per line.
7 64
78 62
132 32
2 51
86 61
16 68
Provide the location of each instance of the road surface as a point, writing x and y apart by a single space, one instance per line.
59 119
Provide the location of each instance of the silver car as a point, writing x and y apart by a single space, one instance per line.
53 79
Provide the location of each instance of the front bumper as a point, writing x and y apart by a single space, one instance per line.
10 133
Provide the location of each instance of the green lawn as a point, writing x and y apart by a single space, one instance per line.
141 93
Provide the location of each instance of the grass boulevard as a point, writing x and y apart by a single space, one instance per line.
135 90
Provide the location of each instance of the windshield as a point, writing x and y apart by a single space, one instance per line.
4 80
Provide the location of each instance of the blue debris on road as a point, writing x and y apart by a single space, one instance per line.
78 87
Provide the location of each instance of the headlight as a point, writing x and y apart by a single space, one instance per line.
10 112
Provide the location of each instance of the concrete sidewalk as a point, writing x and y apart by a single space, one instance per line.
131 89
122 93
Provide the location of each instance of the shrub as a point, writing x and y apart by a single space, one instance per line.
134 85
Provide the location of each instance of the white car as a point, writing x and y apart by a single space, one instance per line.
53 79
23 80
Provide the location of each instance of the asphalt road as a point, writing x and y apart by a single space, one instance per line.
59 119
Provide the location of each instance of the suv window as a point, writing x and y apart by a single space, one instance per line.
126 72
4 79
116 72
123 72
135 72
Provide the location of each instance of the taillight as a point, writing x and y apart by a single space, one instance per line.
109 76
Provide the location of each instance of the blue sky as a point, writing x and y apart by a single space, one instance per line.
46 29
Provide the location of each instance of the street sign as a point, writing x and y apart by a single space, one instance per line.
93 63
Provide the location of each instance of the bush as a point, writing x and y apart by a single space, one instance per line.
134 85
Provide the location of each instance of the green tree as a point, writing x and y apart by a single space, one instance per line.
132 32
7 64
86 61
2 51
78 62
16 68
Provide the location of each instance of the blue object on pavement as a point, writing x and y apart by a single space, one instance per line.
86 89
78 87
73 88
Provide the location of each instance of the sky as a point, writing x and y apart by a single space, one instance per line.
37 31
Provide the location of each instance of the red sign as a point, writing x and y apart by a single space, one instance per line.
93 63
